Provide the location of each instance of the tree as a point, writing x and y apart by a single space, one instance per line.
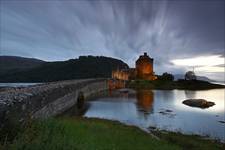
190 75
166 77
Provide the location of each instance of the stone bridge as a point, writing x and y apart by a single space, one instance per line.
46 100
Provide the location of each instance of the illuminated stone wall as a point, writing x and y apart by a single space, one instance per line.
120 74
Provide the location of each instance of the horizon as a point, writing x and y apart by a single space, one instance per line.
106 57
179 35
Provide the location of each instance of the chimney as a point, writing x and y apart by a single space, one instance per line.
145 54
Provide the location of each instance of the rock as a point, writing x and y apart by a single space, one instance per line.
201 103
124 90
167 112
162 112
152 128
221 121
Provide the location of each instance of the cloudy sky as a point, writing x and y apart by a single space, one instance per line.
177 34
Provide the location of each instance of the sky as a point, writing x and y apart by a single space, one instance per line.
180 35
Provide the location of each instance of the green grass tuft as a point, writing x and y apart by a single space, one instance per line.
189 142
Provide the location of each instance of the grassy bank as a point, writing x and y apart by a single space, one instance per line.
169 85
188 142
93 134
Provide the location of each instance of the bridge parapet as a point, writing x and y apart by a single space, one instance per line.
46 100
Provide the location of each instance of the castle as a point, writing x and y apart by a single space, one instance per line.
143 70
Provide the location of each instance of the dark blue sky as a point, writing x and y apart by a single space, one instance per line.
64 29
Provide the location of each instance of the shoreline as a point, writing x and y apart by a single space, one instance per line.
173 85
105 133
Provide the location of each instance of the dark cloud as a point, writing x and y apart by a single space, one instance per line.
59 30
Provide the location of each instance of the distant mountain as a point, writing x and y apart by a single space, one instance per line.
11 64
83 67
203 78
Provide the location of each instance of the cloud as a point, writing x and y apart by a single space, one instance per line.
212 60
60 30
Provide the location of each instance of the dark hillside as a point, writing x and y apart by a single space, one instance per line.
10 64
84 67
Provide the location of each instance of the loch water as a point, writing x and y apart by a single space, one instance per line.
163 109
17 84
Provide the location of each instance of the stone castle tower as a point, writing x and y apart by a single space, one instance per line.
144 68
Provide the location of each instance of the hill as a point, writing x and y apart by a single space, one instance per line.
83 67
11 64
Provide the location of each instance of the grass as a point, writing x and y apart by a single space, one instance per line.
188 142
95 134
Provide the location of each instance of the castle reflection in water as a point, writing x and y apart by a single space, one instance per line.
145 99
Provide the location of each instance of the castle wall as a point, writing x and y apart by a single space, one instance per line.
121 75
143 70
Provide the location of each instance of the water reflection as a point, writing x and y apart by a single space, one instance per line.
145 108
145 99
190 94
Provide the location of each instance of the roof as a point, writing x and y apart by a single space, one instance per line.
144 57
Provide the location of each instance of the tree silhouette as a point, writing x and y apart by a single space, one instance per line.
190 75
